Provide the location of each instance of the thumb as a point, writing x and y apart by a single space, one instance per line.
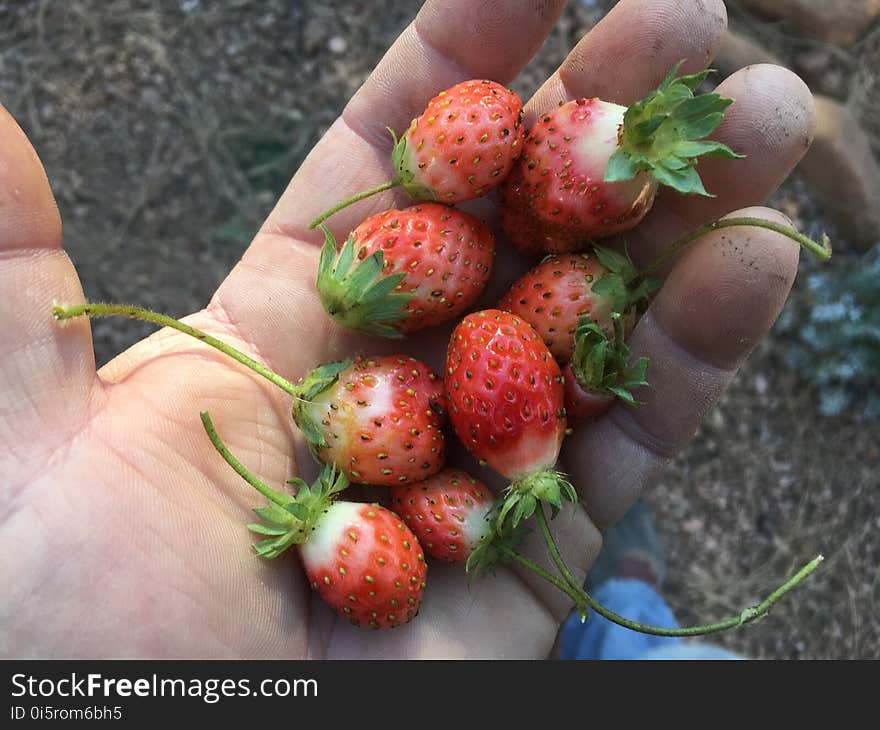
47 371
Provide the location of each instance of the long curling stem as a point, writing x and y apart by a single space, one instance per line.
576 596
822 249
94 309
745 617
240 468
353 199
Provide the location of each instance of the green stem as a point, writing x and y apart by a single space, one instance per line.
553 549
92 309
745 617
821 249
353 199
240 468
576 596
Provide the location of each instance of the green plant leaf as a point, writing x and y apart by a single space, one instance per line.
622 166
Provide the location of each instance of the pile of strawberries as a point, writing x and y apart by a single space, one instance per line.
552 351
587 170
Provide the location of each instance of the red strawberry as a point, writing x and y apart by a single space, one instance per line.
377 419
366 564
554 294
582 405
463 145
403 270
590 168
575 302
447 512
506 404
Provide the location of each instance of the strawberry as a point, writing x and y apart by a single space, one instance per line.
403 270
463 145
377 419
366 564
557 292
447 512
590 168
362 560
584 307
554 294
582 405
506 405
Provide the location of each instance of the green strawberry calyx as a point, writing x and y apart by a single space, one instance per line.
500 542
601 365
287 520
312 385
291 522
663 133
356 292
623 284
405 176
525 493
523 498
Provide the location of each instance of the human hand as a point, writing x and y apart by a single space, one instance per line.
123 531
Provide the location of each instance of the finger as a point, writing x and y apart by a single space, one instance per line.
632 49
449 41
47 372
771 122
717 303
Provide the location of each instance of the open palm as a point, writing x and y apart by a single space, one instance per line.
122 531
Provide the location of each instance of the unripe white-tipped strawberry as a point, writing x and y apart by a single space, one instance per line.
366 564
590 168
362 560
377 419
447 512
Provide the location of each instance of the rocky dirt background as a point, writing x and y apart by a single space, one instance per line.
169 128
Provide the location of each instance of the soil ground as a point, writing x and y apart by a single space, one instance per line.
169 128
